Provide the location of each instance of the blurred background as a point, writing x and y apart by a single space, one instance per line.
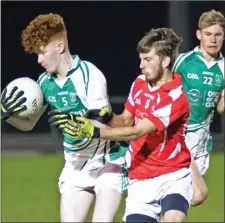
106 34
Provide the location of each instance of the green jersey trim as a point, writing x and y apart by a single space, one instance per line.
76 64
85 76
73 147
96 149
199 52
42 78
88 76
180 59
193 127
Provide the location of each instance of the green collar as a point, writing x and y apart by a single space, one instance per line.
199 52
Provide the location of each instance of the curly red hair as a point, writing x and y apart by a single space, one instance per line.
41 30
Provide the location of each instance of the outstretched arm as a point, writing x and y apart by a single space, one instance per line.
126 119
220 105
26 124
82 128
145 126
12 104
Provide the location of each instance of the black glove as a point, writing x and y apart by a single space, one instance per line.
13 104
59 118
103 115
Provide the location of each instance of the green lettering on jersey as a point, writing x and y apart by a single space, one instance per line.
63 95
202 82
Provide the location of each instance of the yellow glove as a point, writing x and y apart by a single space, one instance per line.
103 115
81 127
13 103
59 118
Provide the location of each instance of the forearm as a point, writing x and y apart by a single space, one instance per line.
144 127
99 125
118 121
25 124
220 106
121 134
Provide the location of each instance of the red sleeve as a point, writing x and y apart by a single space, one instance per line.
168 111
130 103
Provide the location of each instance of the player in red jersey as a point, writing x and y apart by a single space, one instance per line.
154 121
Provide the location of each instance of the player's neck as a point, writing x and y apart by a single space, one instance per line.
207 56
166 77
64 66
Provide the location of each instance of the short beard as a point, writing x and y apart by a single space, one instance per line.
158 76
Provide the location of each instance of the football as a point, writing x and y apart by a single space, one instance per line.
32 92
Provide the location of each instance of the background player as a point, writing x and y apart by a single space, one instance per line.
155 114
73 85
202 70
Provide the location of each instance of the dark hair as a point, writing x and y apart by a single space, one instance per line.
163 40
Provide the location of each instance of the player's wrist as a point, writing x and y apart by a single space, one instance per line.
4 113
4 117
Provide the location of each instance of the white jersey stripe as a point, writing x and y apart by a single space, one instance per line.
164 142
164 114
181 60
178 59
42 80
176 93
175 152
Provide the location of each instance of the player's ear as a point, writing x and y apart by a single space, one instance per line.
198 34
165 62
61 47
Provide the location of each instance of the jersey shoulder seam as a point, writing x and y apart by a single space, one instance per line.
182 58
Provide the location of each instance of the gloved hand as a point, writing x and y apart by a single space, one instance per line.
103 115
59 118
81 127
13 104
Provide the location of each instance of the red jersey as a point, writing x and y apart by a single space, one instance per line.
167 107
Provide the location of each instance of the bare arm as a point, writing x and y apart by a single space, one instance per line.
124 120
145 126
220 105
26 124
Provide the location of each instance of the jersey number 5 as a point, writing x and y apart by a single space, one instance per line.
147 104
65 103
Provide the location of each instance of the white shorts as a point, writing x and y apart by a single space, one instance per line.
108 176
144 196
200 143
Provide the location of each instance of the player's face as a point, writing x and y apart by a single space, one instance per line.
48 57
211 39
151 66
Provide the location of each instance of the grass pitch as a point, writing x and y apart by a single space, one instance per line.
30 190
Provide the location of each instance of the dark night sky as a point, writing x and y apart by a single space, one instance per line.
105 33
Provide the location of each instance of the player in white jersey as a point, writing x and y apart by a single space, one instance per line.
93 167
202 70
